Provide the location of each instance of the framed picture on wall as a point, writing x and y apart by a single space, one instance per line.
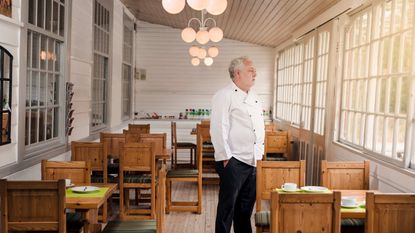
6 7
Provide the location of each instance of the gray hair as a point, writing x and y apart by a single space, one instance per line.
237 64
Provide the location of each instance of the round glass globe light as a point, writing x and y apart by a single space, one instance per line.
173 6
216 7
202 53
208 61
213 51
215 34
195 61
198 4
194 51
188 34
202 36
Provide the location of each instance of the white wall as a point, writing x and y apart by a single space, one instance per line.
81 61
10 40
173 84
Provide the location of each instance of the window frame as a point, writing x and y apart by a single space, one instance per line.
101 67
408 152
59 141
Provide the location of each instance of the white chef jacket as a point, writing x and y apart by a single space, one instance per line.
237 125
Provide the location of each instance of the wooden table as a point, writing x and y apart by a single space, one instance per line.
89 206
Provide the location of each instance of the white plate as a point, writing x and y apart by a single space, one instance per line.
84 189
350 206
289 191
314 189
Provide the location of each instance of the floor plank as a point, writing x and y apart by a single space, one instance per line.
183 222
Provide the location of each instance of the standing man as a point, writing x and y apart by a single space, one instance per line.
237 132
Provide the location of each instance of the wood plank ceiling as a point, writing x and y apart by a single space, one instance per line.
263 22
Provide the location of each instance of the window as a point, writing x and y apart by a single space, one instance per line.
101 64
296 79
45 40
377 79
6 64
127 67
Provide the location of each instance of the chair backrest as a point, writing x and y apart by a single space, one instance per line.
269 127
345 175
131 136
93 152
276 142
112 143
137 157
305 213
33 206
78 171
173 134
159 140
390 213
204 141
144 128
273 174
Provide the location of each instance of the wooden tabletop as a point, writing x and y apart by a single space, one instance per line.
90 202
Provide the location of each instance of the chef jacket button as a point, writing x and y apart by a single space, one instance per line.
254 143
236 90
256 101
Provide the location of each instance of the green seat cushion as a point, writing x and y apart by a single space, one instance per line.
183 173
139 226
352 222
276 158
262 218
98 178
133 178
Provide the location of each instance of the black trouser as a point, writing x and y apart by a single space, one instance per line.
236 196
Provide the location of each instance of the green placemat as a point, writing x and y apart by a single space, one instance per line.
359 209
300 191
99 193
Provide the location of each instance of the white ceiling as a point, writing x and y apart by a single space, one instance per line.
262 22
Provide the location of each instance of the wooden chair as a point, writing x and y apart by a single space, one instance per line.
305 213
269 127
205 148
95 153
390 213
33 206
159 140
131 136
112 143
78 171
145 225
181 146
137 171
271 175
144 128
345 175
186 175
112 147
276 145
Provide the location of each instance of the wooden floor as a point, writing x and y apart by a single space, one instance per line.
183 222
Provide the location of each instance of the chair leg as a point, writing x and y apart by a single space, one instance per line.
199 196
191 157
168 196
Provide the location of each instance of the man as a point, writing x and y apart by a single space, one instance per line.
237 132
